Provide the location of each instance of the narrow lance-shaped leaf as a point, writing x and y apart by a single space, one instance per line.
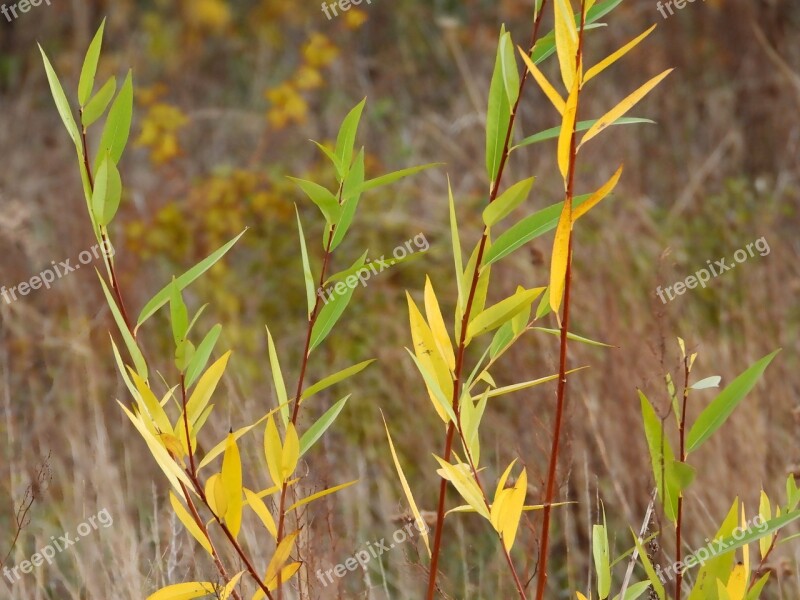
162 297
231 480
407 490
335 378
62 104
620 109
614 57
191 525
507 201
456 241
595 198
553 132
548 89
331 312
98 104
724 404
566 33
118 124
498 114
202 354
322 197
377 182
130 342
308 277
318 429
561 257
277 378
346 139
89 69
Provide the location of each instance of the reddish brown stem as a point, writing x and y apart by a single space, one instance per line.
561 392
679 517
448 447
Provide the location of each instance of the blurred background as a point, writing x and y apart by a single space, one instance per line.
228 93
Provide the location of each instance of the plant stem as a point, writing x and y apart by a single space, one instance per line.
679 517
561 393
312 319
448 447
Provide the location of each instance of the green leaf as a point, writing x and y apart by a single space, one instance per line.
508 63
371 184
573 337
89 69
62 104
458 259
635 591
162 297
179 314
498 114
724 404
277 379
351 193
602 560
322 197
118 124
346 139
318 429
507 201
333 158
503 311
200 358
528 229
502 339
661 456
307 276
553 133
648 568
130 343
99 102
107 192
335 378
330 313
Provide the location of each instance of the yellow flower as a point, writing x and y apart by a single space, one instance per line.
354 18
319 51
307 78
159 132
287 106
211 15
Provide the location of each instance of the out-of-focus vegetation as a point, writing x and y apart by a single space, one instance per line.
227 96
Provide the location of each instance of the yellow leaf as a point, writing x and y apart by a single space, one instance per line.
566 40
567 133
215 496
287 573
560 258
226 592
188 521
500 499
318 495
280 557
277 378
183 591
273 450
438 329
407 489
526 384
291 452
205 387
611 59
261 510
620 109
220 448
461 478
502 312
171 469
512 511
150 403
427 352
547 87
581 596
231 481
595 198
765 512
745 552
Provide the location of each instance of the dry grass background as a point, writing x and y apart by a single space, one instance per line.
718 171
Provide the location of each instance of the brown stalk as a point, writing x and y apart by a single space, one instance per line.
561 393
301 379
679 518
459 366
192 472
